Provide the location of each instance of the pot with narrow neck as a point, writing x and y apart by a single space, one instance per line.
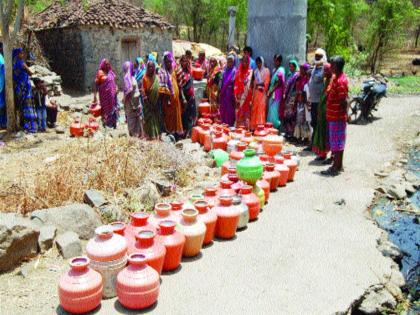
194 232
272 176
138 284
162 212
208 217
107 252
151 248
174 243
244 212
250 168
251 200
80 288
227 218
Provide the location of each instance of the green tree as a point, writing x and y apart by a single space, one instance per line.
389 19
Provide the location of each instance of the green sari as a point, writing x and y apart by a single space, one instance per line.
151 108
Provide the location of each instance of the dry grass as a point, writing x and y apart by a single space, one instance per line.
112 166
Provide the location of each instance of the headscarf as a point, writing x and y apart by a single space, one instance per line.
128 77
141 70
16 52
258 72
213 72
183 77
323 53
101 69
241 76
306 66
165 74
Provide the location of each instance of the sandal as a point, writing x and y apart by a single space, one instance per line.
330 172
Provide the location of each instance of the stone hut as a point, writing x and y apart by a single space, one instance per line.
77 34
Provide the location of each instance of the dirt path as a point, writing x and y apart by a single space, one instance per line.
305 255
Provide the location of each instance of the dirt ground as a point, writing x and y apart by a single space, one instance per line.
319 257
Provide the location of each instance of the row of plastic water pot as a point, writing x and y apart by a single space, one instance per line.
152 243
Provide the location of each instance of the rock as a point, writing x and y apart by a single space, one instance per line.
77 108
26 269
377 301
389 249
18 240
65 107
397 277
46 237
143 198
409 189
396 192
210 163
111 213
69 244
85 111
412 178
190 147
163 186
179 145
94 198
118 134
170 174
78 218
202 171
19 135
60 130
381 174
381 189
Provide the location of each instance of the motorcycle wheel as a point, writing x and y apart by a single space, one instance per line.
354 112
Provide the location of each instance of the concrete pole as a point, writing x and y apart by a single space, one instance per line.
232 21
277 27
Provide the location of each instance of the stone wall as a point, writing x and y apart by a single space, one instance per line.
104 42
75 53
277 27
64 51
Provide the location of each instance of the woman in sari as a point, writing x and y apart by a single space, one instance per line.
320 143
213 80
302 129
289 112
227 96
131 101
3 113
139 70
186 86
259 101
23 91
151 108
275 93
107 88
243 92
169 93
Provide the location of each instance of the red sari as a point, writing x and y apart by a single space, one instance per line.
243 94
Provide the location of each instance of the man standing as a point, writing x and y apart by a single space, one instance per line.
3 113
337 93
247 51
316 88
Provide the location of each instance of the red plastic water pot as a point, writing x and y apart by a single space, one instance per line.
272 176
152 248
174 243
252 201
208 217
138 284
292 165
227 218
284 174
95 109
198 73
77 129
162 212
80 289
118 227
210 196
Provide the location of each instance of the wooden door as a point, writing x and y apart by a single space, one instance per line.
129 50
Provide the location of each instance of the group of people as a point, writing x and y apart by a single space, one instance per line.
35 111
308 103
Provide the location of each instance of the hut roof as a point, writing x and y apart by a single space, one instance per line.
115 13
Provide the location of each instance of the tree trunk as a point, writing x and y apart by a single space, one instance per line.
417 37
8 69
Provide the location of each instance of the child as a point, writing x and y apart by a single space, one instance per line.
46 110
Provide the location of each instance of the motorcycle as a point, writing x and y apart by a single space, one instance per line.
362 105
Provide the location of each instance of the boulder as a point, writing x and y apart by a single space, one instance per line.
409 189
69 245
389 249
111 213
79 218
18 240
396 192
46 237
143 198
94 198
163 186
377 301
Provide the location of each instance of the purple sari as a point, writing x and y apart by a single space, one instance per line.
227 97
107 89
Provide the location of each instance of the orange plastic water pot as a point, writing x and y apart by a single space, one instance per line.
80 289
292 165
95 109
227 218
151 248
284 174
174 243
210 196
138 284
272 176
208 217
265 186
251 200
162 212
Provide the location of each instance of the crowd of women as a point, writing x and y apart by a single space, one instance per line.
35 111
241 92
